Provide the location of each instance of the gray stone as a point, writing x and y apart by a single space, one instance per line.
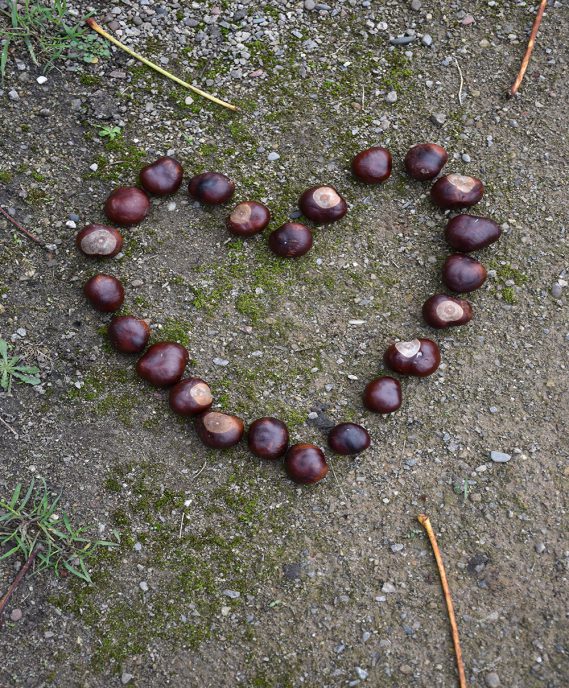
126 678
438 118
500 457
492 680
388 587
309 4
233 594
556 290
391 97
427 40
273 156
292 571
416 5
13 95
362 673
397 547
540 547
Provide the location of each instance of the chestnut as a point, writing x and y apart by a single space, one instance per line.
442 311
268 438
162 177
163 364
248 218
419 357
425 161
127 206
190 397
99 241
291 240
462 273
373 165
467 233
383 394
348 439
322 204
128 334
305 463
456 191
219 430
211 188
105 293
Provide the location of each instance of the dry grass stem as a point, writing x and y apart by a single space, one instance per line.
529 49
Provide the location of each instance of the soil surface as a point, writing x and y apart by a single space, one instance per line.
229 574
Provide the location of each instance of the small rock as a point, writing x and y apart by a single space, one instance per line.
500 457
71 224
416 5
406 669
465 157
188 100
143 585
273 156
233 594
126 678
427 40
388 587
484 43
362 673
438 118
171 206
292 571
309 4
492 680
556 290
41 80
136 283
13 95
391 97
220 361
16 614
540 547
468 20
397 548
94 167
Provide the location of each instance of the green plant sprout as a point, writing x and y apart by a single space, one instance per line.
110 132
11 368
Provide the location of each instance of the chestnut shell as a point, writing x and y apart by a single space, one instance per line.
99 241
419 357
467 233
104 292
457 191
443 311
219 430
305 463
382 395
248 218
162 177
322 204
127 206
425 161
290 240
190 397
372 165
163 364
268 438
348 439
462 273
212 188
128 334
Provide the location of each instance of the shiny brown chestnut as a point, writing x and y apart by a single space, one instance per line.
219 430
467 233
425 161
322 204
457 191
105 293
442 311
163 364
127 206
128 334
190 397
290 240
99 241
211 188
419 357
162 177
268 438
462 273
382 395
248 218
305 463
348 439
373 165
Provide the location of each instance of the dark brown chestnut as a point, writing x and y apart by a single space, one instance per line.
425 161
219 430
462 273
322 204
268 438
373 165
190 397
383 395
127 206
128 334
248 218
162 177
419 357
305 463
457 191
105 293
291 240
348 439
442 311
467 233
211 188
99 241
163 364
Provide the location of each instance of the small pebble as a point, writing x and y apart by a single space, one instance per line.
16 614
220 361
556 291
309 4
500 457
406 669
273 156
41 80
484 43
427 40
188 100
388 587
465 157
94 167
391 97
493 680
397 547
362 673
126 678
416 5
438 118
143 585
540 547
233 594
13 95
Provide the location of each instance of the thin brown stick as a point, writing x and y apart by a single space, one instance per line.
18 579
426 523
22 229
529 49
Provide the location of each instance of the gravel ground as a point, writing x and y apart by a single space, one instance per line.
228 574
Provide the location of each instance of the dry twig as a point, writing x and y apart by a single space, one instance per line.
22 229
426 523
461 81
18 579
529 49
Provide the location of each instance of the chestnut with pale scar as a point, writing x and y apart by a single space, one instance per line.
442 311
322 204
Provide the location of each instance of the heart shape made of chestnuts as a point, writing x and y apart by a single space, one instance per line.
163 364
